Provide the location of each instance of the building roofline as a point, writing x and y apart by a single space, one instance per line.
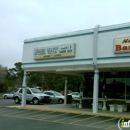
78 33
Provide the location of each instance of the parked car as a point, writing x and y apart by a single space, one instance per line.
55 96
75 94
8 95
33 95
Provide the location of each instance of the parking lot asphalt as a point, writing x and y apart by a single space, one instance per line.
75 119
69 109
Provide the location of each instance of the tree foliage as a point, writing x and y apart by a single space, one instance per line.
51 81
15 75
3 79
47 81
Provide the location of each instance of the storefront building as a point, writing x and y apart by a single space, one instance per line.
101 56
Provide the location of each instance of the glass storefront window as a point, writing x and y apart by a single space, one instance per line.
113 86
128 86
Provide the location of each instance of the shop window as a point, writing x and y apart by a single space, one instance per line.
128 86
112 85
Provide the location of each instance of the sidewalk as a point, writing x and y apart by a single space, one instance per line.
67 108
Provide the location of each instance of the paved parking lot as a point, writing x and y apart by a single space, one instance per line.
81 120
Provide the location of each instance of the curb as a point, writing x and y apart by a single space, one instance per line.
74 112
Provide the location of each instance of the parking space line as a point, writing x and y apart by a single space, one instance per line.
111 127
6 110
67 118
55 116
83 119
52 121
30 112
57 122
41 114
100 122
15 112
23 111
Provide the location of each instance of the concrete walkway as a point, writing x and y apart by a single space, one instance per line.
69 109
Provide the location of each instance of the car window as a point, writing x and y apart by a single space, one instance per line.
49 93
35 90
28 92
58 94
21 91
16 90
75 93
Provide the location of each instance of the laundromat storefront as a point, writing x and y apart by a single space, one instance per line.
103 51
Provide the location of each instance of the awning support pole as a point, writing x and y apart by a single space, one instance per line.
24 86
65 92
96 72
95 91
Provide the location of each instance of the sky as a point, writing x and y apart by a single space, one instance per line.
23 19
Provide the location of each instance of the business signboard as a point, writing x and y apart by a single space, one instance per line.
59 51
122 45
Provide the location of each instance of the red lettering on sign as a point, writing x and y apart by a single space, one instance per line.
124 48
121 48
118 47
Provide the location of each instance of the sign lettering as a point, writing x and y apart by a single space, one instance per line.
58 51
122 45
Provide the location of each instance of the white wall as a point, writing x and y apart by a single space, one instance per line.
84 48
83 51
106 47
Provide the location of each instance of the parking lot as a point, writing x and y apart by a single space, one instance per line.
92 121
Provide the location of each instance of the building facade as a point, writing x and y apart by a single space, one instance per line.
100 55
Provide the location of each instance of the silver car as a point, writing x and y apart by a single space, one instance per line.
55 96
75 94
33 95
8 95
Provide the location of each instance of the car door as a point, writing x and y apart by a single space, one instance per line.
29 95
10 95
20 94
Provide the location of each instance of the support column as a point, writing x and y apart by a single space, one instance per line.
65 92
96 72
95 91
24 86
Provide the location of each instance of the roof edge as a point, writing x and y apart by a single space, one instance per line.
80 32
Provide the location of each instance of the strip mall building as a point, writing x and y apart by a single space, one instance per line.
100 55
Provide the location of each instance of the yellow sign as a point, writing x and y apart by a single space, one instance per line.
67 50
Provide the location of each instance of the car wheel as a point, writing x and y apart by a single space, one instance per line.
5 97
17 100
60 101
35 101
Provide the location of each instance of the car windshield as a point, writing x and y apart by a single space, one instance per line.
75 93
16 90
35 90
58 94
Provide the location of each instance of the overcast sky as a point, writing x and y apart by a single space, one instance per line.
23 19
